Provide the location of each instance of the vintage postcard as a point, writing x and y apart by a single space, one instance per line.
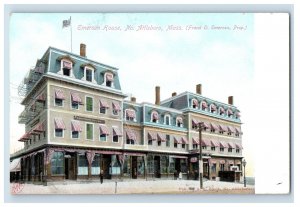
148 103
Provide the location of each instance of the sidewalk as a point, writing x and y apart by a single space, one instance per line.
136 187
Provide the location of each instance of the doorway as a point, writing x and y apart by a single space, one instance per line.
134 167
105 164
157 166
70 166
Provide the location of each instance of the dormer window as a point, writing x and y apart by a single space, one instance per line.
109 79
238 115
204 105
221 110
194 103
167 120
229 112
154 117
89 74
66 67
179 122
213 108
130 115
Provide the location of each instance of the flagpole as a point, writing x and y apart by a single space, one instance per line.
71 33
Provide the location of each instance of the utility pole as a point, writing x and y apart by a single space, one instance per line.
200 155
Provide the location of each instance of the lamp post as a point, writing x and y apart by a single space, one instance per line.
200 156
244 164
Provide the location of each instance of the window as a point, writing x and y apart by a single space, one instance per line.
150 142
179 122
183 146
109 79
229 133
212 130
75 105
130 115
102 110
58 102
82 165
130 141
66 67
221 149
59 133
115 138
154 117
167 120
103 137
214 168
204 147
89 103
229 149
75 134
44 134
168 140
158 143
222 167
195 146
237 150
90 131
175 145
213 148
115 168
96 165
194 103
57 163
116 108
89 75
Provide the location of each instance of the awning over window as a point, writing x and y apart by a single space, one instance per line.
130 113
194 122
116 106
214 126
238 130
215 143
205 142
40 127
130 135
67 65
231 145
41 97
152 136
195 140
206 125
25 137
59 123
223 144
229 111
117 132
15 165
75 126
161 137
177 140
103 104
109 77
204 104
230 129
179 120
222 161
59 94
104 129
76 98
238 146
222 111
213 107
222 128
154 115
195 102
184 140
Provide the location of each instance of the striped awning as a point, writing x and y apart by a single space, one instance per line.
109 77
177 140
103 104
76 98
117 132
179 120
238 130
75 126
231 145
24 137
222 111
152 136
215 143
59 123
40 127
59 94
213 107
230 129
116 106
222 128
104 129
161 137
195 140
67 65
206 125
238 146
204 104
130 135
214 126
184 140
41 97
223 144
194 122
205 142
155 115
195 102
130 113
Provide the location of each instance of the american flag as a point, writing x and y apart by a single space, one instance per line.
66 23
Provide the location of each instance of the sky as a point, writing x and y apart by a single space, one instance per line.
221 56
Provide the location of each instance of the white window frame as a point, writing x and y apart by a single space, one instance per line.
100 138
58 105
112 83
86 131
165 119
61 72
63 134
72 102
113 139
93 74
73 137
86 103
100 110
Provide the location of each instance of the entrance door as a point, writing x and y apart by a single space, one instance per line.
134 167
105 163
206 170
66 168
177 165
70 167
157 166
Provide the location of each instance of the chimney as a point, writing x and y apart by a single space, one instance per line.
230 100
174 94
133 99
82 50
199 89
157 95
